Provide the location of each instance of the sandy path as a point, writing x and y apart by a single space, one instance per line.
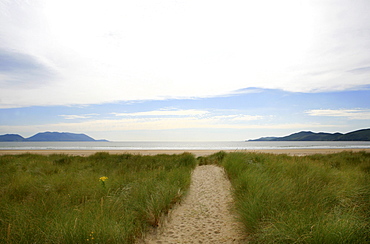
204 215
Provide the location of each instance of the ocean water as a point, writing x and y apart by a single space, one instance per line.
159 145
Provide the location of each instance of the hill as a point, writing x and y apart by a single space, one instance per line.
11 137
48 136
59 136
359 135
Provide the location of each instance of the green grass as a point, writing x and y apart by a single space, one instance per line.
312 199
215 158
60 199
279 198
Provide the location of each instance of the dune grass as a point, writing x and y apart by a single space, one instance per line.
64 199
311 199
278 198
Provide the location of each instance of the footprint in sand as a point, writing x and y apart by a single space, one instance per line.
204 216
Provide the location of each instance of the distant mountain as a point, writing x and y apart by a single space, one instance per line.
11 137
359 135
49 136
270 138
59 136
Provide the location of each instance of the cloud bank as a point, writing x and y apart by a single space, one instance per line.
89 52
353 114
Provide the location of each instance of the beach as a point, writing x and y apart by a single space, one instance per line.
197 153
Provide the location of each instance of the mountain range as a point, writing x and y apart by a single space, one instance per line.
358 135
48 136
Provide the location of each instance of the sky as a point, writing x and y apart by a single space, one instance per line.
174 70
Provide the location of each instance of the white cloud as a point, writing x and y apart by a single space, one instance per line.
353 114
186 116
164 123
75 116
188 112
247 117
107 51
238 117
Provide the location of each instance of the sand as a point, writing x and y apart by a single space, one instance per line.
197 153
205 215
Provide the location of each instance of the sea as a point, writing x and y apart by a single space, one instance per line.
184 145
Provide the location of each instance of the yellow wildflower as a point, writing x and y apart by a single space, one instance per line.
103 178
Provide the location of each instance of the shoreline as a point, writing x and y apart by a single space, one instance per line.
197 153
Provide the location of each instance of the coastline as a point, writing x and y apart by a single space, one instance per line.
197 153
